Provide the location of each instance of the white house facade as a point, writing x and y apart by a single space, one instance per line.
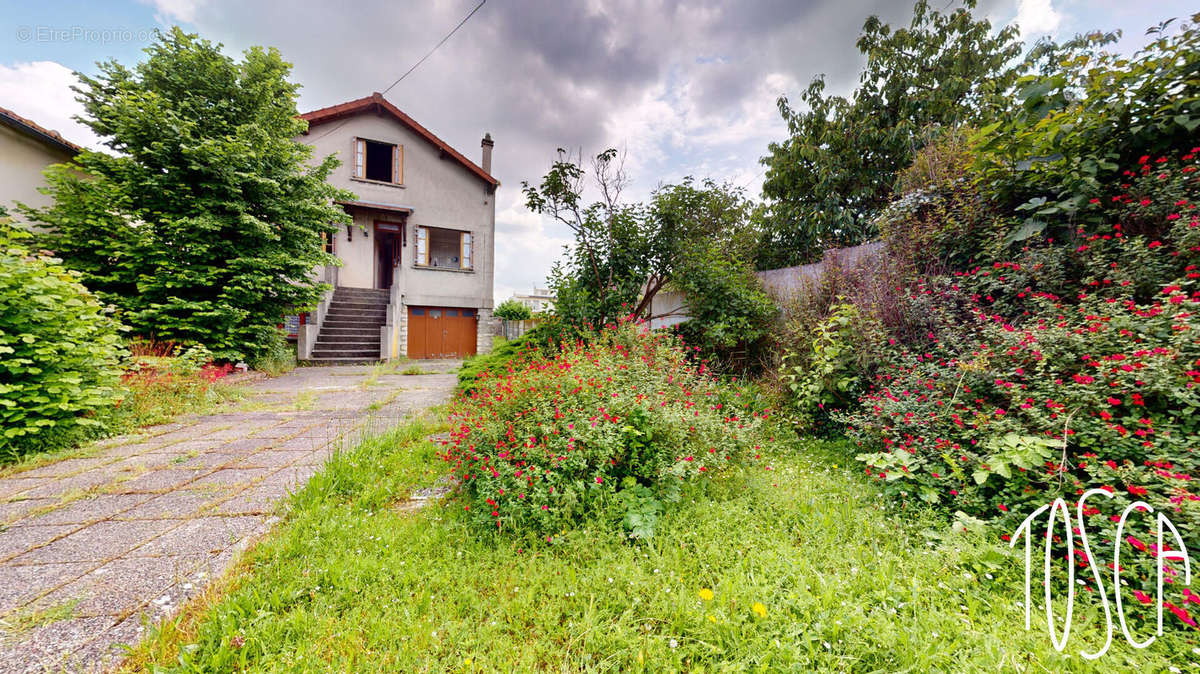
417 264
26 149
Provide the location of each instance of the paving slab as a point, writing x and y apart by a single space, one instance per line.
16 540
97 542
97 547
21 584
84 511
11 488
177 504
12 511
157 481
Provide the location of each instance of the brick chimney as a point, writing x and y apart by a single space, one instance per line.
487 144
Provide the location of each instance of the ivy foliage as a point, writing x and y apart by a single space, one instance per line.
206 221
60 352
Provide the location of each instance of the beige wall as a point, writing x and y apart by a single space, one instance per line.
22 160
440 192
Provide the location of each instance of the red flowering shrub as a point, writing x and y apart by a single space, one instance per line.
1075 366
547 444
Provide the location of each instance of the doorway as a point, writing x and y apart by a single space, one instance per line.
389 244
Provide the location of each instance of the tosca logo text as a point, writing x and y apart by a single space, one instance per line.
1163 555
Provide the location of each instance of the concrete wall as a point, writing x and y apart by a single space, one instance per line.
22 160
789 282
667 308
440 192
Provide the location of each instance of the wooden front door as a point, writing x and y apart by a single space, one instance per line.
441 332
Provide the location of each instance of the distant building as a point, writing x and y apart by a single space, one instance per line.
541 299
26 149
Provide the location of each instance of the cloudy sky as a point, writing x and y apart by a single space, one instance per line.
686 87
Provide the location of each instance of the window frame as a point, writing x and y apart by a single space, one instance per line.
358 167
422 249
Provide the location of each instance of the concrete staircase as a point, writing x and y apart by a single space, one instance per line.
350 333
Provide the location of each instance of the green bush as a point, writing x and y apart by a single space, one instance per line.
559 439
730 316
478 368
512 310
828 374
60 353
278 356
1084 120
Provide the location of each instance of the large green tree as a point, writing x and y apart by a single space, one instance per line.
205 222
827 181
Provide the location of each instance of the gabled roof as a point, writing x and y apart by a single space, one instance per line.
378 104
38 132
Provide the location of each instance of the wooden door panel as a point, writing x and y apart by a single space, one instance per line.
440 332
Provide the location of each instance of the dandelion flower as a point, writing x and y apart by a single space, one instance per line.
706 594
759 610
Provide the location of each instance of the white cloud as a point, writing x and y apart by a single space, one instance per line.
41 91
172 11
1037 16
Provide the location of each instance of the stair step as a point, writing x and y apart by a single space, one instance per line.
335 309
357 304
338 360
336 331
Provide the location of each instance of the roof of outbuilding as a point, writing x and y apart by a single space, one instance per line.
31 128
377 103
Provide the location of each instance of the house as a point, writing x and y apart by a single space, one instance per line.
416 272
26 149
541 299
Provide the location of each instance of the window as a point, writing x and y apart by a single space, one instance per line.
382 162
444 248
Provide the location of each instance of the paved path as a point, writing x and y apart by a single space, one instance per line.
127 530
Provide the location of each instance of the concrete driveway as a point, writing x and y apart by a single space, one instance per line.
128 529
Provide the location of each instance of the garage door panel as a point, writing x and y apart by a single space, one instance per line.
441 332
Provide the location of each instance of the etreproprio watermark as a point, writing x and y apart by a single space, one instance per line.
82 34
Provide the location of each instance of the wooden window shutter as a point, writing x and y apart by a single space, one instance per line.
422 246
360 157
398 164
464 257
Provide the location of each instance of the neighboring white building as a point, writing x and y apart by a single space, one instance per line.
26 149
417 264
541 299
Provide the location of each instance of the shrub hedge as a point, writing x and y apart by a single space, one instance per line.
60 353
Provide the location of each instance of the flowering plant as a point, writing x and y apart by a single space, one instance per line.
1068 368
546 444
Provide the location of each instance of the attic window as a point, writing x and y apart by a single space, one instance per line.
381 162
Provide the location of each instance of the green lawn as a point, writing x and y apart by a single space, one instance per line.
349 582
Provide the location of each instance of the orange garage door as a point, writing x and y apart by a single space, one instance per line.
441 332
